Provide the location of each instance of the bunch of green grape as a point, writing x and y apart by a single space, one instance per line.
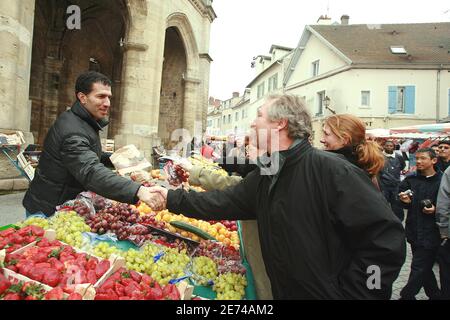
69 227
35 221
171 266
230 286
205 270
104 250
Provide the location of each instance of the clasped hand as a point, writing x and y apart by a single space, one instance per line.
155 197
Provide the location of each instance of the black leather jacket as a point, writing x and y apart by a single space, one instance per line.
71 163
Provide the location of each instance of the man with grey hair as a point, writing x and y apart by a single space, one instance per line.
325 232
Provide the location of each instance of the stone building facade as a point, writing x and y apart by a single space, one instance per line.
155 52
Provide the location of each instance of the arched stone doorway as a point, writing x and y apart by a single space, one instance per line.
59 55
172 85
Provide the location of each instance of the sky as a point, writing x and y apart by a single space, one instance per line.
244 29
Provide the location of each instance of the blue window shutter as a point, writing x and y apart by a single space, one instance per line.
410 99
392 99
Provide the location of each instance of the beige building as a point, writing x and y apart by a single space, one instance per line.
390 75
238 113
156 53
214 117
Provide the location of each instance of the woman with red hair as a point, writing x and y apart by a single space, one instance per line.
346 134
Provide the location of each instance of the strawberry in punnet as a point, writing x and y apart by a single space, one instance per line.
33 291
135 276
51 277
7 232
75 296
56 264
43 242
91 277
119 289
55 294
155 292
12 296
4 284
131 287
92 263
108 284
37 231
102 267
108 295
170 292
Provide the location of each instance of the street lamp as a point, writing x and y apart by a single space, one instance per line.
326 102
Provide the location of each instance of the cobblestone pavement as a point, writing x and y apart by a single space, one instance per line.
11 211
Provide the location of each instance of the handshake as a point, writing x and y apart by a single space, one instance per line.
155 197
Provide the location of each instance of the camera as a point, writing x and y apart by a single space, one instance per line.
426 203
408 193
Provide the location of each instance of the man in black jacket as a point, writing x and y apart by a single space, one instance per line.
422 232
72 159
325 231
443 161
390 177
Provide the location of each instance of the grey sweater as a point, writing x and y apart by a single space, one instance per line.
443 204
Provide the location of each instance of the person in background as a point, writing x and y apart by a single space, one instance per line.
390 177
442 217
435 148
421 230
345 134
444 155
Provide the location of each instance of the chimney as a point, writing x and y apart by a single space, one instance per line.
324 20
235 94
344 20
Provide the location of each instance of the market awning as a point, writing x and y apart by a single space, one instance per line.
422 131
434 128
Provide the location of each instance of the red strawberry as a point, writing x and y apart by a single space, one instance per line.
102 267
37 231
119 288
36 274
108 284
12 296
135 276
137 295
146 279
4 284
51 277
125 298
75 296
91 277
57 265
131 288
43 243
55 294
92 263
7 232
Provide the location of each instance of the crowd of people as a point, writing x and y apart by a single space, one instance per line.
320 224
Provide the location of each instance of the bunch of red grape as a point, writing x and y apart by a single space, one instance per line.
149 220
176 175
230 225
82 208
120 218
227 258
